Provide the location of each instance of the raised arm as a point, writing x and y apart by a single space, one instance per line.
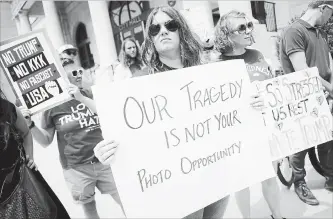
90 103
43 136
22 127
75 91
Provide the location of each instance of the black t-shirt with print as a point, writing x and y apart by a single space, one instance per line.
78 131
256 64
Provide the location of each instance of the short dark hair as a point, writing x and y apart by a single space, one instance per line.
316 3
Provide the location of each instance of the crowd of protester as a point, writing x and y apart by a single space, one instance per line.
169 44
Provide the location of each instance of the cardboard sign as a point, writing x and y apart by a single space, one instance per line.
32 68
186 138
297 113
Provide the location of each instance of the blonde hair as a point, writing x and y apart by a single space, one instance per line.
222 42
125 59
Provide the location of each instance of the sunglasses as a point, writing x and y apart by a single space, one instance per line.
329 6
75 73
242 28
171 25
70 52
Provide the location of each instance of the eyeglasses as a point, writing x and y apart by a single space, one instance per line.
242 28
76 73
171 25
70 52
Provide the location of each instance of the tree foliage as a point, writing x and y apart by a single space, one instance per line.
328 28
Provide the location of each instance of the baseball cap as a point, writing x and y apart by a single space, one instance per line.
65 47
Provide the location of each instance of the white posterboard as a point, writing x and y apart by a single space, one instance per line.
192 144
297 114
34 72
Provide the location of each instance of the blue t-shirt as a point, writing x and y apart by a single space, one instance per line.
78 132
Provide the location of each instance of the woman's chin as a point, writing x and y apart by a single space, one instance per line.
248 44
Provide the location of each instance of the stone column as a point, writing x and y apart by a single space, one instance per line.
243 6
103 32
18 26
52 24
199 17
205 10
25 26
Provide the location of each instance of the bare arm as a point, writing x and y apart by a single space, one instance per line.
298 60
90 103
22 127
43 136
75 91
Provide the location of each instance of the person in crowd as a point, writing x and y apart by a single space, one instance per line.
129 60
78 133
302 46
68 54
16 150
169 44
233 34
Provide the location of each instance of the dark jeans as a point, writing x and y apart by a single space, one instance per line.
325 154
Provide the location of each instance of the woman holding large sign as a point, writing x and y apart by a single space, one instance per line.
169 45
233 34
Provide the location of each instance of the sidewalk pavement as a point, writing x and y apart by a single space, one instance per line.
49 165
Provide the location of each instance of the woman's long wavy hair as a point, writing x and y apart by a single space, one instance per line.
125 59
222 42
4 127
4 109
190 47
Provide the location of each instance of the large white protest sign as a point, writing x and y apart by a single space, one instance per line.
297 114
187 138
32 68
